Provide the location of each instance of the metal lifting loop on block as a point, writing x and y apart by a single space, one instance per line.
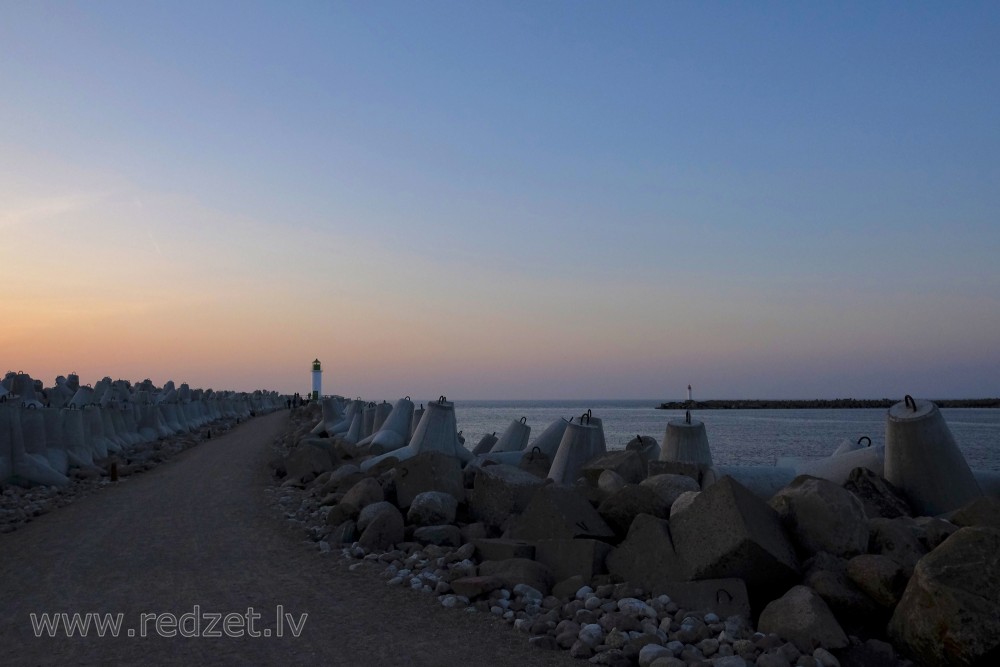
585 415
718 595
865 437
524 420
442 399
407 397
910 403
687 417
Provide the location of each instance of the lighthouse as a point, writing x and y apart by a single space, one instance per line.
689 393
317 380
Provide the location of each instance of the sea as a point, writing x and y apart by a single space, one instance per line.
737 437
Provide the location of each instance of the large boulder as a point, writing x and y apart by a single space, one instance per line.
623 506
670 487
381 526
647 557
983 511
899 539
428 471
432 508
878 495
631 465
364 493
500 491
822 516
803 618
880 577
950 611
558 511
729 532
568 557
307 462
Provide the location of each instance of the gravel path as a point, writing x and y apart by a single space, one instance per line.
198 530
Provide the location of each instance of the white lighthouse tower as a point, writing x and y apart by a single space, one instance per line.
689 393
317 380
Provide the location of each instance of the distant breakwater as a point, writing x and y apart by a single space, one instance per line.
818 404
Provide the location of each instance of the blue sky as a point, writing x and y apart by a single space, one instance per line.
505 200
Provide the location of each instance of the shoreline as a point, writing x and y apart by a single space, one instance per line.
817 404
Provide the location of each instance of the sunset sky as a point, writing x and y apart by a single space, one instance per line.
519 200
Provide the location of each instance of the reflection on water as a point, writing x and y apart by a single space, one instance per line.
749 437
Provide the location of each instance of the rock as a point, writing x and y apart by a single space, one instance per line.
544 642
499 491
950 611
567 587
502 549
442 535
688 468
801 617
879 577
651 652
515 571
844 598
932 531
825 658
729 532
898 539
340 513
622 507
727 597
566 558
432 508
630 465
364 493
306 462
879 496
822 516
683 502
345 533
381 526
983 511
558 511
474 587
670 487
647 558
428 471
609 482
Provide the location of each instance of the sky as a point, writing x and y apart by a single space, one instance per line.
504 200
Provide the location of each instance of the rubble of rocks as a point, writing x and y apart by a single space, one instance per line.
638 563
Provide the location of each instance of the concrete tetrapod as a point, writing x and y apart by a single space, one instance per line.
515 438
581 442
24 388
78 451
838 468
395 430
485 444
922 459
368 423
686 440
382 412
437 431
15 461
93 430
418 414
83 396
547 442
848 445
55 443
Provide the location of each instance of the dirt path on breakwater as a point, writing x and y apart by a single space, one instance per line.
198 530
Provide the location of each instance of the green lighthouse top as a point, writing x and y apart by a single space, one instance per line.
316 366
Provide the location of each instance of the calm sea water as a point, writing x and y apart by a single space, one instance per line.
747 437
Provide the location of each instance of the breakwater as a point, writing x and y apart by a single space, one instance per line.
817 404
